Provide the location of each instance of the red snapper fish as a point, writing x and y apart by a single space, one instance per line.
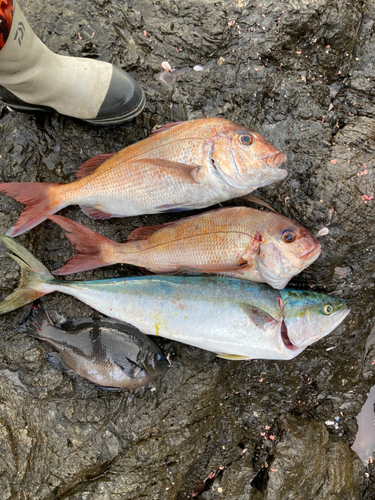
183 166
240 242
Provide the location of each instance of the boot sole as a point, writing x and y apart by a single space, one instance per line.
123 118
24 107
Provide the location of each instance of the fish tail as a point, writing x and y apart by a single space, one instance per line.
93 249
36 323
37 198
34 275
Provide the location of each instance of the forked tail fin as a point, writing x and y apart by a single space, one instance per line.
37 323
91 247
38 204
33 276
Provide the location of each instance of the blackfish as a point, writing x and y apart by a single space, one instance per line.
107 352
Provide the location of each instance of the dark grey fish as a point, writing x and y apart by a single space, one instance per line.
105 351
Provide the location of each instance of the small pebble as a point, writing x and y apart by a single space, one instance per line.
322 232
198 68
166 67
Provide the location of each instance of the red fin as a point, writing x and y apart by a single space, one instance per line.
254 199
38 204
142 233
172 168
165 127
89 166
95 213
88 244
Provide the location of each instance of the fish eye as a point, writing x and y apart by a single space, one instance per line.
246 139
159 357
328 309
288 236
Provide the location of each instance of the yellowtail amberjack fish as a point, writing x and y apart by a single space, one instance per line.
107 352
234 318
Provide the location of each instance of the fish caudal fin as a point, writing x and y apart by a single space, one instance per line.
38 204
36 323
33 275
90 246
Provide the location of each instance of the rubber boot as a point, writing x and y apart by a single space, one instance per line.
32 78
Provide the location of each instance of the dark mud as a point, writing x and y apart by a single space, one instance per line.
301 74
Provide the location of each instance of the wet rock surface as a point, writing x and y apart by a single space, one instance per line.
302 75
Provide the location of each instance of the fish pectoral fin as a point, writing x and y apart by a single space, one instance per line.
130 368
229 269
233 357
260 318
254 199
174 169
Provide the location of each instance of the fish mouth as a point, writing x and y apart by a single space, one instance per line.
311 253
274 159
285 338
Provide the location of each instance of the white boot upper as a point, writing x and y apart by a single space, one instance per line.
72 86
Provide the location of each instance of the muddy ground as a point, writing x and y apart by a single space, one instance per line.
300 73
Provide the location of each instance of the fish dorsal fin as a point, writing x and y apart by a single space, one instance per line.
142 233
165 127
254 199
89 166
260 318
233 357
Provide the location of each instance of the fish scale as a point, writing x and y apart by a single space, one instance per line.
236 319
104 351
185 166
239 242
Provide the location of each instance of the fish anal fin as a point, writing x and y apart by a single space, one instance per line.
111 389
233 357
182 207
55 360
89 166
260 318
165 127
95 213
